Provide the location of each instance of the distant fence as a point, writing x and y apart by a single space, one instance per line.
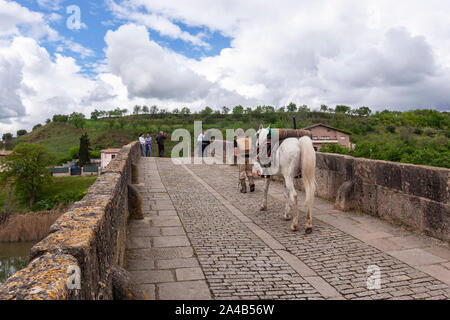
85 171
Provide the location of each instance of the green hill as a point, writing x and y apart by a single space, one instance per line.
419 136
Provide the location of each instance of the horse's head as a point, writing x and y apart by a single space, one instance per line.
261 139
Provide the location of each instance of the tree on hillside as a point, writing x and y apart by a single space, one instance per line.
60 118
342 109
324 108
95 114
83 155
7 137
136 110
292 107
268 109
238 110
77 119
154 109
207 111
37 126
27 170
48 121
363 111
145 109
21 132
185 111
225 110
304 109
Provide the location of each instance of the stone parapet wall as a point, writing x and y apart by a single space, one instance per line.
414 196
89 237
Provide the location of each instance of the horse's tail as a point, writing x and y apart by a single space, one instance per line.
308 165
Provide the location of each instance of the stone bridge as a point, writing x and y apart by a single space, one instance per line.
185 232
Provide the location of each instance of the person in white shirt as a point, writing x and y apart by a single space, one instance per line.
200 138
142 142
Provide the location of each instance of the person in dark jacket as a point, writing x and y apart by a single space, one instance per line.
160 141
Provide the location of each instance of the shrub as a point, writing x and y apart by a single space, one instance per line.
62 160
74 152
95 154
62 199
334 148
418 131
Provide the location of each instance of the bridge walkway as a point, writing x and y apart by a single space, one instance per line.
202 239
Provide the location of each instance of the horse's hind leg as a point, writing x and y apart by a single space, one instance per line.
266 191
308 220
287 209
293 199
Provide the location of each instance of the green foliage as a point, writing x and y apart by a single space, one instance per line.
390 128
95 154
7 137
60 118
37 126
27 170
61 160
59 199
292 107
342 109
74 152
21 133
334 148
77 119
391 135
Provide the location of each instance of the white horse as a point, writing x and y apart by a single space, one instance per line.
288 159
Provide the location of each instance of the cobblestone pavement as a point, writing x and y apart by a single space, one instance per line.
203 239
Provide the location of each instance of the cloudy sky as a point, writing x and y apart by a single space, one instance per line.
172 53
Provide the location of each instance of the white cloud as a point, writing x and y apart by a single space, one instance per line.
377 53
151 71
42 86
156 22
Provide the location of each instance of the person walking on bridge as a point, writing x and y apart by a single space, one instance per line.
160 141
242 146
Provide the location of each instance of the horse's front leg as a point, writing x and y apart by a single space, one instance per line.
266 191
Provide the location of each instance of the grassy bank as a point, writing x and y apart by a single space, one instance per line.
57 195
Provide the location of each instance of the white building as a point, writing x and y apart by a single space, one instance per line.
107 156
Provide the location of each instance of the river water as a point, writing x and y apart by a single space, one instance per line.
13 257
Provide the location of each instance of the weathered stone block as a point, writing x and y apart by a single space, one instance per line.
388 175
436 219
426 182
366 198
45 278
399 208
365 172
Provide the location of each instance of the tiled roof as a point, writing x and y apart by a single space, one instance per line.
110 151
5 152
